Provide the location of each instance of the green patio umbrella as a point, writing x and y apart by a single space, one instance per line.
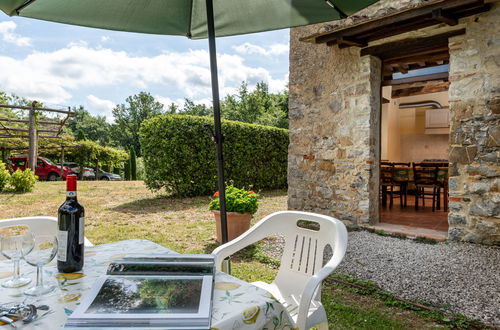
194 19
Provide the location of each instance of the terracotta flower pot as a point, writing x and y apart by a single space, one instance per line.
237 224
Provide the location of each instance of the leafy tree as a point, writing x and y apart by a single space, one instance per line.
129 117
81 136
172 108
257 106
86 126
193 109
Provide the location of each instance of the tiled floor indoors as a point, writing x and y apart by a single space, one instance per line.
408 221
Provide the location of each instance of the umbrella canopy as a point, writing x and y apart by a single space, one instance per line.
185 17
192 18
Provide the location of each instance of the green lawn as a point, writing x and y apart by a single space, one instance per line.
125 210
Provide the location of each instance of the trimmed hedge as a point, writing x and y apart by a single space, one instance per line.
179 155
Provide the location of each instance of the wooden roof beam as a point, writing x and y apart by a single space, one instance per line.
428 87
345 42
412 15
438 15
418 53
420 58
410 46
426 77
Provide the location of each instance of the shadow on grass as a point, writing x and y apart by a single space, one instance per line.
161 204
169 203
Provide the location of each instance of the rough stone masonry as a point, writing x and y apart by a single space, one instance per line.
334 112
474 98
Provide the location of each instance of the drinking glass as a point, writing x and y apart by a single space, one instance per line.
16 242
43 252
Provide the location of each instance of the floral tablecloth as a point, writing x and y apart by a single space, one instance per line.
236 305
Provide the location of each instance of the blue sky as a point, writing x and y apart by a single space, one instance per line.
64 65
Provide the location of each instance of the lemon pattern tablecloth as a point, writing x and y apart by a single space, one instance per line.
236 305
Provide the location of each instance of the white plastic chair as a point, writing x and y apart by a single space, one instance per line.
297 285
38 225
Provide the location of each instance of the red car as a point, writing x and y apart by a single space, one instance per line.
45 169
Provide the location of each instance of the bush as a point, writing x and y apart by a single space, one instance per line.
179 155
237 200
23 181
4 176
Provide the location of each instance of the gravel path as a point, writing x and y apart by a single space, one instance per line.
462 278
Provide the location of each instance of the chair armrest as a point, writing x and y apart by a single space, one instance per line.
258 232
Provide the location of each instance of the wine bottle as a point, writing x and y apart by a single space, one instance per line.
70 236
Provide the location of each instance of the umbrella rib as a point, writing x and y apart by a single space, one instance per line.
24 5
188 34
342 14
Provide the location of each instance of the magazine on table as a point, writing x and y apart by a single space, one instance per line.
173 292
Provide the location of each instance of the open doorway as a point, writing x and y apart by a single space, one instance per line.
415 143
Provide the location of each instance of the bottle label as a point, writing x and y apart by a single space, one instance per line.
71 194
80 231
62 247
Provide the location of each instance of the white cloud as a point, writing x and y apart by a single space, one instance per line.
100 106
250 49
53 77
7 33
104 38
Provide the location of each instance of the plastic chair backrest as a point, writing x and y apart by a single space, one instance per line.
303 252
38 225
304 248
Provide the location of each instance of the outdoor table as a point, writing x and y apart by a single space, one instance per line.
236 303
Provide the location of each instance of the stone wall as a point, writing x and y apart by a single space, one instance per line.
334 115
475 130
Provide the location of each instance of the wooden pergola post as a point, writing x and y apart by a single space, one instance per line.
62 161
32 154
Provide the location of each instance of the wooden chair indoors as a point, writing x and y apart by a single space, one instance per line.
442 179
401 175
426 184
390 186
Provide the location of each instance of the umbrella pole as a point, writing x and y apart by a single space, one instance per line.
217 124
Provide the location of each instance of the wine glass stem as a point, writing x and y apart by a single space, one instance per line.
39 276
17 271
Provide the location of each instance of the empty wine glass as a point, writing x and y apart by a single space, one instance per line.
43 252
16 242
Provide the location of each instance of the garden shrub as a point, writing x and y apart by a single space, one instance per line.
179 155
4 176
23 181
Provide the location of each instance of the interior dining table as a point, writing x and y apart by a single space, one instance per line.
236 304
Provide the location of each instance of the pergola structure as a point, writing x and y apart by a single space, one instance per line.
33 130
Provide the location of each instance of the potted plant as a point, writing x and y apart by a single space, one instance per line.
241 204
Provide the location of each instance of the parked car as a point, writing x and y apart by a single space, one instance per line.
101 175
88 172
45 169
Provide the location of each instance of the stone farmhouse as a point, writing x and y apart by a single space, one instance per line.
361 93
